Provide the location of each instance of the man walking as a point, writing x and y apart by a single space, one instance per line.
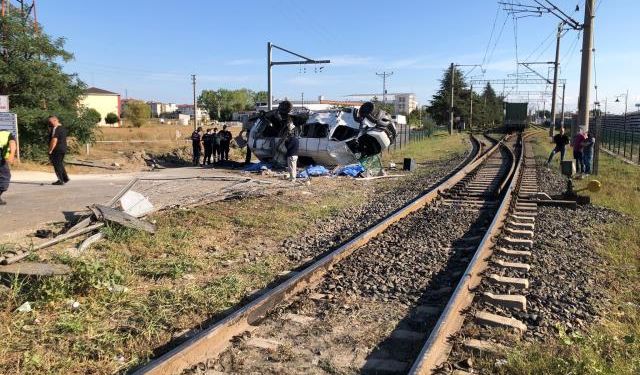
196 143
225 142
587 152
8 149
57 149
578 141
292 144
561 140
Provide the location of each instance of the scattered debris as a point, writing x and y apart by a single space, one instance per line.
25 307
93 164
36 269
104 213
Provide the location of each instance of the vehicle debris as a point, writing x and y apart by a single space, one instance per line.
330 137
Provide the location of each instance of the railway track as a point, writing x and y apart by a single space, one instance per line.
402 267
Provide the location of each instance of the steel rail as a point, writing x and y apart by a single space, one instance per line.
437 347
211 341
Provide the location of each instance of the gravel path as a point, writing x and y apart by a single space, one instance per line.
384 199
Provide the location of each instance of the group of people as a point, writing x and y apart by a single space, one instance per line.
56 148
583 145
213 145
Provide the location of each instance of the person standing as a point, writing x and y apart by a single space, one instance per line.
206 141
8 149
587 152
292 144
58 149
196 143
578 141
215 144
225 142
561 141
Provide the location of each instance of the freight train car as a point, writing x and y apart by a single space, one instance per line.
516 116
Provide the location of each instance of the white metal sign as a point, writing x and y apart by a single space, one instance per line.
4 103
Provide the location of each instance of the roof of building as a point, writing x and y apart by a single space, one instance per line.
97 91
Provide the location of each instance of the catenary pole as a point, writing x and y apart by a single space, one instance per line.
269 66
195 108
384 76
585 70
453 72
556 66
564 86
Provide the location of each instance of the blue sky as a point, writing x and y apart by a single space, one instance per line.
148 49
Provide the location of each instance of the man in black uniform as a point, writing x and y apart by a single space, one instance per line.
225 142
196 142
57 149
8 148
292 144
561 140
215 145
206 141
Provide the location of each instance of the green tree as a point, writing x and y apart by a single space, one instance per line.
111 118
93 115
490 107
137 112
31 74
261 97
441 102
387 107
222 103
415 118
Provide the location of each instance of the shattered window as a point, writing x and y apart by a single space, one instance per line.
343 133
315 130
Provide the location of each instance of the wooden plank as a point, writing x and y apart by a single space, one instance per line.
123 218
36 269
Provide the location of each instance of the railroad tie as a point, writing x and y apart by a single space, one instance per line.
494 320
515 282
384 366
518 242
482 346
521 225
513 253
520 232
509 301
515 265
523 218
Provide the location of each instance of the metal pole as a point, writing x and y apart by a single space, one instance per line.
564 86
269 100
451 109
195 107
554 94
471 109
585 71
302 100
626 100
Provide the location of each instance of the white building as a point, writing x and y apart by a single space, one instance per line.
158 108
403 103
187 109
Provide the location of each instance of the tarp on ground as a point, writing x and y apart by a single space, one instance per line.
353 170
314 171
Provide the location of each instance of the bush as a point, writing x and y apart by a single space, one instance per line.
93 116
137 111
111 118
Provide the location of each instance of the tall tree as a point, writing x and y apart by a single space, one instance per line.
441 101
31 74
491 107
222 103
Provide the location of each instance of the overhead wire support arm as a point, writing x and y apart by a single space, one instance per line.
271 63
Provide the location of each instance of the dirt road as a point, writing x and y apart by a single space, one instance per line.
32 201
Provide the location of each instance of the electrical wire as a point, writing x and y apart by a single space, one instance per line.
493 28
497 40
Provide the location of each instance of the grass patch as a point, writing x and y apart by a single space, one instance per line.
439 146
613 345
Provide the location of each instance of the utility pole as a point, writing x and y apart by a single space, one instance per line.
384 76
195 108
270 64
302 100
585 70
564 86
471 109
554 94
453 72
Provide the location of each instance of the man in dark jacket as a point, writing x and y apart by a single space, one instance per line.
8 149
215 145
208 147
57 149
196 143
225 142
561 141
